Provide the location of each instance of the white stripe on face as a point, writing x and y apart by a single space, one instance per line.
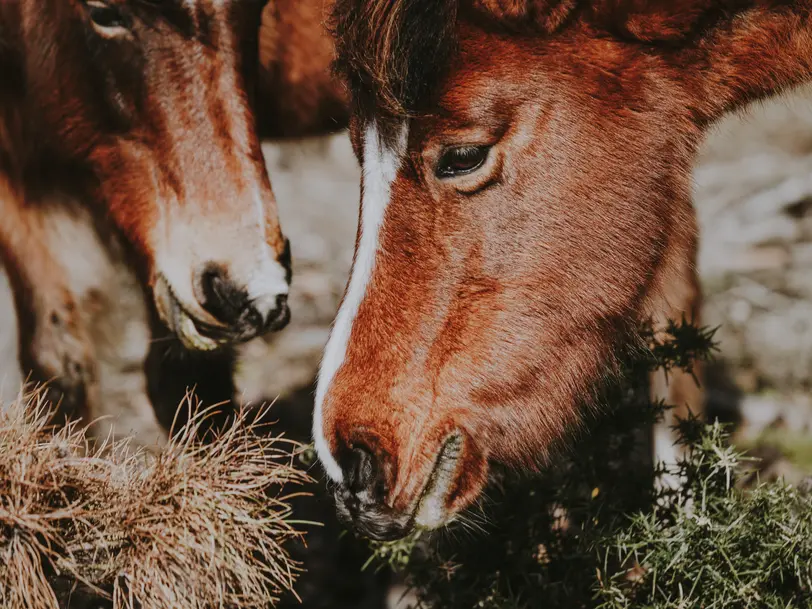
381 165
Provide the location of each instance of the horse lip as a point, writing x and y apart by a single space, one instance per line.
431 512
377 522
179 320
189 333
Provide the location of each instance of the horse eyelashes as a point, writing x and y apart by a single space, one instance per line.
461 160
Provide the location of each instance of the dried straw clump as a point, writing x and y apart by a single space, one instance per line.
200 525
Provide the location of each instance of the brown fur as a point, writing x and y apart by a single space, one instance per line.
299 95
179 106
499 299
535 15
71 106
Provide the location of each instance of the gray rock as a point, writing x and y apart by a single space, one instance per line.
754 198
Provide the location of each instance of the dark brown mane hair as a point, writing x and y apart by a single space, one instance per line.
531 16
664 21
394 53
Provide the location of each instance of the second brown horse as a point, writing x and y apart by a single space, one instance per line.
146 114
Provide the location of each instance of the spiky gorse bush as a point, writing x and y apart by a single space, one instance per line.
595 531
200 525
713 545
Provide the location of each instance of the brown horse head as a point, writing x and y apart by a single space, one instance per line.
525 204
151 103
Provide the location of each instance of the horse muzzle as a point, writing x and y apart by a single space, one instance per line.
361 499
223 316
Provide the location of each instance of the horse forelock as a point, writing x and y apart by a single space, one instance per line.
393 53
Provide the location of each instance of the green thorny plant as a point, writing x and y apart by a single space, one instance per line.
595 531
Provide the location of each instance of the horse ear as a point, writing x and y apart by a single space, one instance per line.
652 20
724 53
538 15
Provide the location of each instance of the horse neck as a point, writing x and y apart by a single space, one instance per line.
29 148
12 91
299 94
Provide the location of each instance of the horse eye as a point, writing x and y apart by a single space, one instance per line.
461 160
106 15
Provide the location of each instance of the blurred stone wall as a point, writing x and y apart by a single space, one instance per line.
754 200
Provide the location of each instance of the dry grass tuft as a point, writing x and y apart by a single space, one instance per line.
199 525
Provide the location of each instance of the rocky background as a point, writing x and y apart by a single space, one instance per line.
754 199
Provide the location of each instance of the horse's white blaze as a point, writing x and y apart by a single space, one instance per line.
381 165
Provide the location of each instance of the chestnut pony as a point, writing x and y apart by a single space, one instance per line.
145 111
526 202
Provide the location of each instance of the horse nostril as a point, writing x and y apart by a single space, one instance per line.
224 300
361 471
244 316
285 260
279 317
361 498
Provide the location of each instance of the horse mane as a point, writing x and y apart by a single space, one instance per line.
663 21
643 21
536 16
393 53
